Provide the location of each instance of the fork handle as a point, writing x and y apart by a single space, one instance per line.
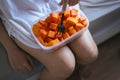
65 2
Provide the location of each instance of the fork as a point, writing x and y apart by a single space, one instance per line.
61 27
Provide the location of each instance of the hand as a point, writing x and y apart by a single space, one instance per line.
19 60
70 2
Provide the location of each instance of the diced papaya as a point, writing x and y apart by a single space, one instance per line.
48 39
36 29
84 23
65 24
51 34
40 39
71 21
60 13
53 26
43 33
58 35
46 31
65 35
48 20
54 17
81 19
79 26
53 42
43 23
73 13
77 17
39 25
67 14
45 43
61 38
71 30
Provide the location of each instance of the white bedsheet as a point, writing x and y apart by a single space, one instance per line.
98 8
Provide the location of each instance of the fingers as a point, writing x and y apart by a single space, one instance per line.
23 66
73 2
27 66
70 2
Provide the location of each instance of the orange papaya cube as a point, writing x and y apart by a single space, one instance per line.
60 13
36 29
71 21
58 35
84 23
40 39
67 14
39 25
43 33
73 12
53 26
54 17
48 20
43 23
51 34
45 43
81 19
71 30
77 17
48 39
65 35
53 42
79 26
61 38
65 24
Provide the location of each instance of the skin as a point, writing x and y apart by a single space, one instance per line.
23 63
70 2
59 64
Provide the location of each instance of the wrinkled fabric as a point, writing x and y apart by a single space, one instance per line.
19 15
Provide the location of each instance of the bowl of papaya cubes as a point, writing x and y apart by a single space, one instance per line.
46 34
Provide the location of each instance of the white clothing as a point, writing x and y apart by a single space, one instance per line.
19 15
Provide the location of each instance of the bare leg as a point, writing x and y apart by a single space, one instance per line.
85 51
57 65
84 48
18 59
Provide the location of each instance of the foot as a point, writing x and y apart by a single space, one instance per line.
20 61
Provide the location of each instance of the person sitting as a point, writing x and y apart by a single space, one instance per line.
16 38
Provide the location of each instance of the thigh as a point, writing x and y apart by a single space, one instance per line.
84 48
57 60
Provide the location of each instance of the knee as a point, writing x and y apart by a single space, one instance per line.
89 57
64 70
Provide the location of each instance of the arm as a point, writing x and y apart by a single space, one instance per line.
6 40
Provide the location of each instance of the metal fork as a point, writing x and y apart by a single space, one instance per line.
61 27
